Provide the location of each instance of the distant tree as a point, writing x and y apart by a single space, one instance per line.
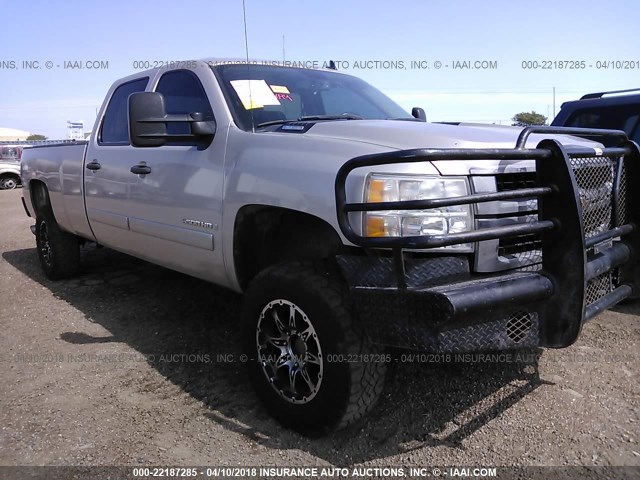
524 119
36 136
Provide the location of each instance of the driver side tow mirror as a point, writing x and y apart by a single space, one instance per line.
148 120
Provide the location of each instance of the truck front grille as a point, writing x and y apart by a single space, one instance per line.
526 249
520 244
514 181
598 187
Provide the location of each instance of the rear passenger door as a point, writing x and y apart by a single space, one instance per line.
175 210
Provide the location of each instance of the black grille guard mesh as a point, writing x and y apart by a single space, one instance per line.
587 219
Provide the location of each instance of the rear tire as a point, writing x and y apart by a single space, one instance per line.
309 360
58 251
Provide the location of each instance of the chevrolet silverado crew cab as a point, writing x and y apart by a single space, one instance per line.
349 225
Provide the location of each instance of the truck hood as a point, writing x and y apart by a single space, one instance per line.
402 135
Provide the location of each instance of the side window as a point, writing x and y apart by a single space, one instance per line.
622 117
591 118
115 126
183 94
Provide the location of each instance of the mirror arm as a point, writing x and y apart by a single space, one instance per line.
170 118
166 136
200 129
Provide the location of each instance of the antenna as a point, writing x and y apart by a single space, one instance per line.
246 49
283 56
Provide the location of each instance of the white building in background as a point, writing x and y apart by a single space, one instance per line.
75 130
11 134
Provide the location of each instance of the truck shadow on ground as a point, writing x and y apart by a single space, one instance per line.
161 313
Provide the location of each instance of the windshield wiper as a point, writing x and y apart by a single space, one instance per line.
273 122
311 117
347 116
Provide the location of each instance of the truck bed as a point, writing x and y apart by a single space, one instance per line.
60 166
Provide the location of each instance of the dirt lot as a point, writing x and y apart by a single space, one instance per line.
126 365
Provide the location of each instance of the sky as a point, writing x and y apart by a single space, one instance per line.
375 40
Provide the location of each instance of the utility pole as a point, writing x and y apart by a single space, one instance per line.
554 102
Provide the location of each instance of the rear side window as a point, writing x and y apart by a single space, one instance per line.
183 94
624 117
10 153
115 126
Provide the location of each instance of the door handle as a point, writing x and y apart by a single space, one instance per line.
141 169
94 165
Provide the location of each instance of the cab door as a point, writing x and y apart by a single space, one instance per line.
107 177
175 207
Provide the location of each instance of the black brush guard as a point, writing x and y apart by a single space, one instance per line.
437 304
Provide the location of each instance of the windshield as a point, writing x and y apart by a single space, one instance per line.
268 93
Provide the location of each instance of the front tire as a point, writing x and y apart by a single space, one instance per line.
309 361
58 251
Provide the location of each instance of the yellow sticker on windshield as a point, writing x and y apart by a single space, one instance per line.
279 89
254 93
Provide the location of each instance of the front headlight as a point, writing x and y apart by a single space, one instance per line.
409 223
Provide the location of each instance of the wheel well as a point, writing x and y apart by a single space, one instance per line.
39 196
11 175
264 236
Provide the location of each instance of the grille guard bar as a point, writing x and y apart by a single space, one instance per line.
569 260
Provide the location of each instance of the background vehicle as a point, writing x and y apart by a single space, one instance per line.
349 225
10 166
618 110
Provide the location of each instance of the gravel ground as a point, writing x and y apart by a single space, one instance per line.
130 363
